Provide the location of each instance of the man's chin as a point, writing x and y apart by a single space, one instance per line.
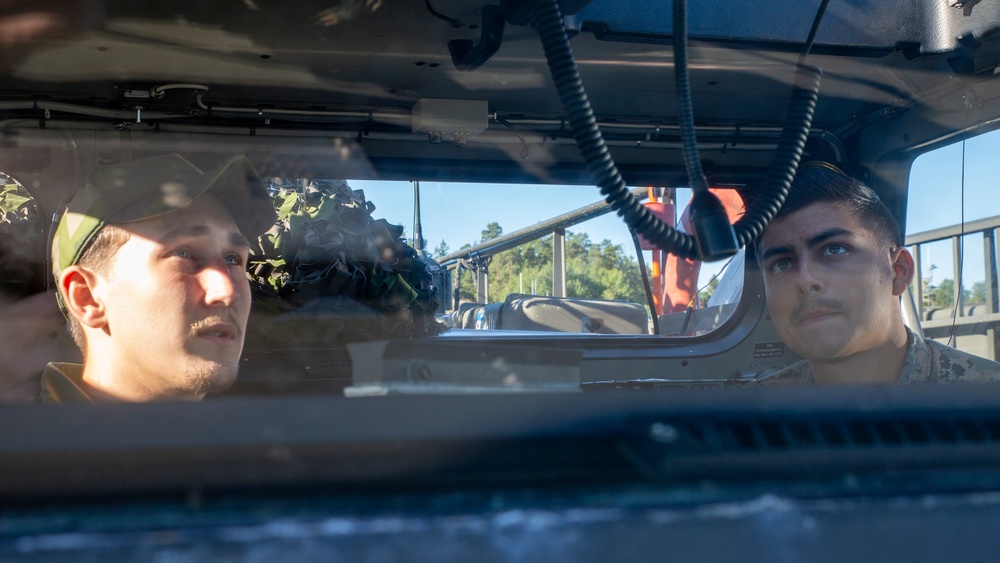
821 349
211 376
221 383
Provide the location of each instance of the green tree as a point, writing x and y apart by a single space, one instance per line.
593 271
978 293
442 249
467 285
709 289
944 294
603 271
492 231
512 268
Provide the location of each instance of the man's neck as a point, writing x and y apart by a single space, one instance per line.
880 365
98 393
103 382
105 379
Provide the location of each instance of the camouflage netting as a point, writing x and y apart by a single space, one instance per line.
21 240
329 274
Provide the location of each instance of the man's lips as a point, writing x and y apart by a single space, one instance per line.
216 329
816 310
219 330
813 316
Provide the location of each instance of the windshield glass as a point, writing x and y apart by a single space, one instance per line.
356 200
545 276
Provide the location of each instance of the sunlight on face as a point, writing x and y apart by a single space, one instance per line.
178 301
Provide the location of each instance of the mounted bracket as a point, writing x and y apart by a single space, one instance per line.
468 56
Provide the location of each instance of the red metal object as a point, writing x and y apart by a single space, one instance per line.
680 281
663 210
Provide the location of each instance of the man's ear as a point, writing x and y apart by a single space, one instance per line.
902 270
78 286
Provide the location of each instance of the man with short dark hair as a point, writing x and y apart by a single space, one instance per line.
834 268
150 264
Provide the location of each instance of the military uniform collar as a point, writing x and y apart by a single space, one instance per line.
62 383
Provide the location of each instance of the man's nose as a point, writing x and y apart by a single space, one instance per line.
808 278
219 285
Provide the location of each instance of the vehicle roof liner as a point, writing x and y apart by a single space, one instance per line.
866 27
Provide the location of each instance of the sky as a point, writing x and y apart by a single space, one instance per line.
458 212
940 196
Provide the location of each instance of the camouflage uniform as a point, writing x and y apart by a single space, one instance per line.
61 384
927 361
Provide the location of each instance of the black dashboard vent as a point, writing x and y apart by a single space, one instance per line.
774 446
787 435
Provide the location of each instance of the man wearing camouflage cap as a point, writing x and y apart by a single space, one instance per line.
149 260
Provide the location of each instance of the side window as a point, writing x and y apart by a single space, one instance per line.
951 228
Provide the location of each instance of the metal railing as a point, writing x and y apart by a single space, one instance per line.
476 258
962 319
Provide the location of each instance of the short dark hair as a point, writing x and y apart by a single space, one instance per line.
820 182
98 257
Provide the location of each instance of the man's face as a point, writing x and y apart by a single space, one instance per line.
831 287
178 299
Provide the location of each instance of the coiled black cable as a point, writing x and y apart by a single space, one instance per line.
791 144
548 22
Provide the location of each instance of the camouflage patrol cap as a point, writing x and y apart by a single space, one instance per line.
150 187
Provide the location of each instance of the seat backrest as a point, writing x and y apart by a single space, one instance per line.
565 314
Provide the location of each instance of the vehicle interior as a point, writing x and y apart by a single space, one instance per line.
471 377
